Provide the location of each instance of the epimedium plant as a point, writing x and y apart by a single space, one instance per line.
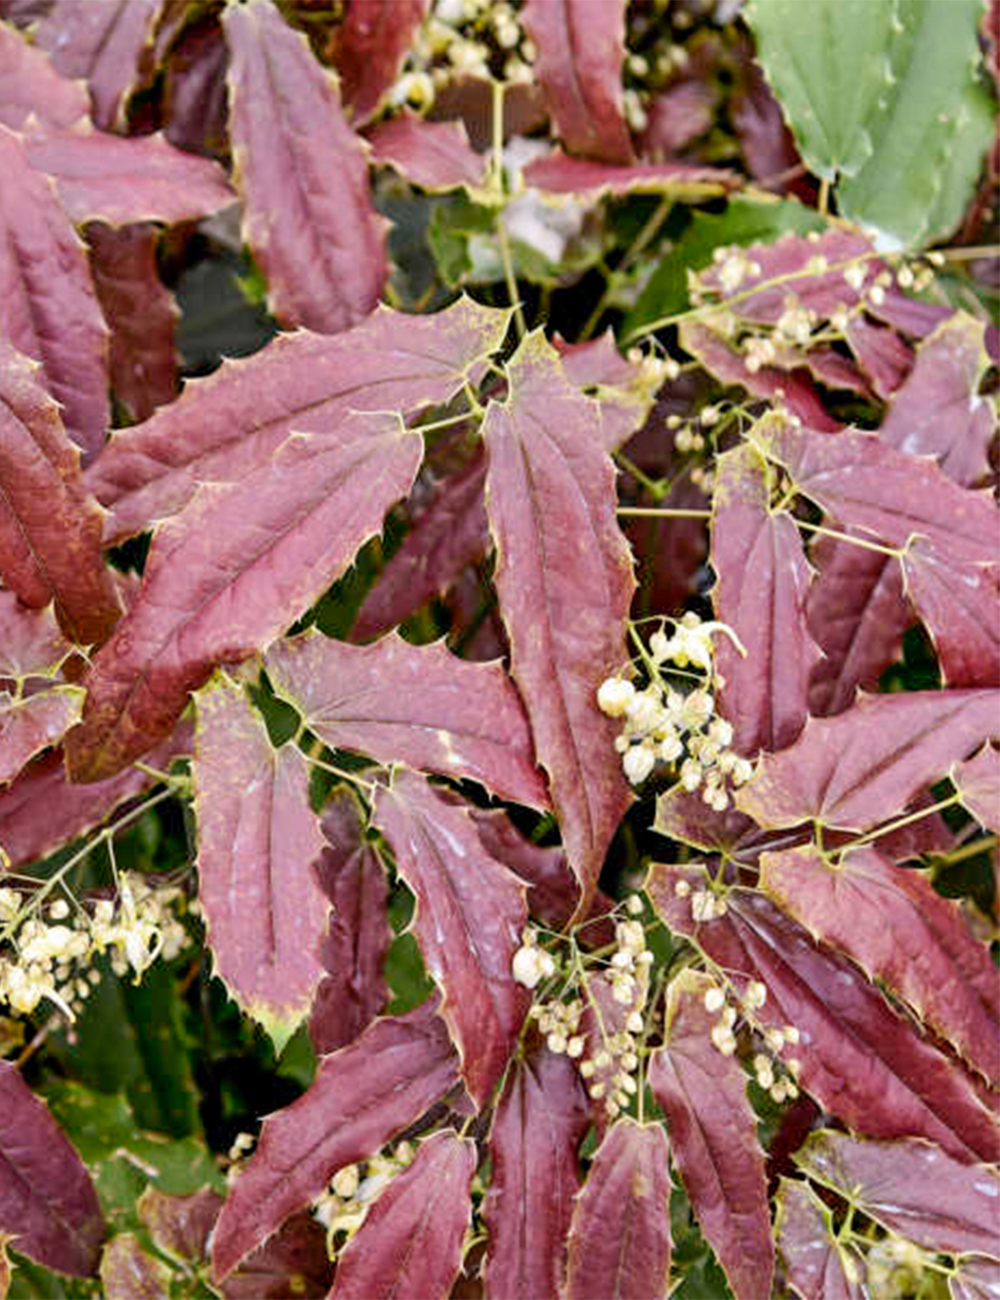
579 764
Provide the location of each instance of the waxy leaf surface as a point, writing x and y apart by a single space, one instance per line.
419 705
960 608
223 426
433 155
361 1097
912 1188
899 930
258 840
978 784
469 917
762 578
50 530
47 1200
303 177
30 724
564 583
410 1243
713 1138
860 1060
109 178
50 312
619 1242
540 1121
369 47
815 1262
29 84
580 52
862 767
231 572
354 990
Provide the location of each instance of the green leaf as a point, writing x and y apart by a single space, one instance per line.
883 97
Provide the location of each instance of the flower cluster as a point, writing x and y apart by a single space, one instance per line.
531 963
664 725
766 1066
51 949
343 1206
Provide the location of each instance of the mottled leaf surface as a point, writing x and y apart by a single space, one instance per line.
978 784
912 1188
180 1225
817 1266
130 1273
864 766
960 608
559 174
223 426
47 1199
564 583
880 352
32 723
231 572
50 312
975 1278
294 1262
411 1240
860 1060
141 315
762 578
302 175
540 1121
354 990
29 84
102 177
50 530
433 155
420 705
469 918
619 1242
368 49
899 930
580 56
361 1097
258 840
713 1138
30 641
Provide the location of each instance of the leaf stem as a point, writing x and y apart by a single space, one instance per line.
851 539
966 851
647 233
503 240
663 512
898 824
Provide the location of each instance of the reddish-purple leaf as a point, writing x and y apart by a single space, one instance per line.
32 723
795 391
223 426
619 1242
420 705
40 810
231 572
900 931
540 1121
50 529
684 816
893 496
880 352
450 533
564 582
624 390
857 614
975 1278
141 314
864 766
469 917
47 1201
101 42
50 311
102 177
604 1018
960 607
258 840
817 1266
912 1188
410 1243
910 315
978 784
128 1271
361 1098
354 990
559 174
580 52
303 177
368 49
713 1138
862 1062
180 1225
762 578
677 117
29 84
195 89
937 412
292 1263
30 641
433 155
